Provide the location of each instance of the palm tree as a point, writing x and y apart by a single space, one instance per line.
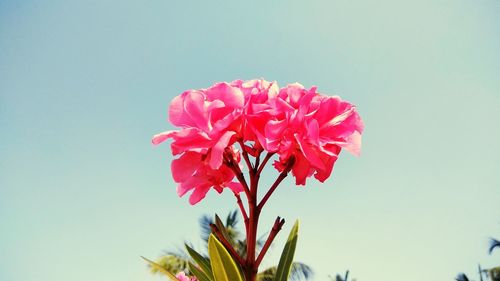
494 273
177 261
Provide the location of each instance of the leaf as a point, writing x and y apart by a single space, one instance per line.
223 266
200 275
161 269
203 262
222 228
286 259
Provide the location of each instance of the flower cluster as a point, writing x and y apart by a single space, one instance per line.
299 125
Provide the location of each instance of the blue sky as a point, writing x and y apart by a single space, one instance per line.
85 84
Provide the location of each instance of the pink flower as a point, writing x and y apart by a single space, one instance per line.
297 124
259 110
192 172
183 277
312 128
209 120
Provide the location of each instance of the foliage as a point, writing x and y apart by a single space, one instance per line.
174 262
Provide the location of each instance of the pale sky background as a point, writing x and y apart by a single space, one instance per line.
85 84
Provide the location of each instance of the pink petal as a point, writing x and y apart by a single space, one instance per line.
183 188
353 144
177 114
198 194
324 174
194 105
218 150
236 187
189 140
309 153
185 166
300 169
190 183
295 92
161 137
231 96
313 132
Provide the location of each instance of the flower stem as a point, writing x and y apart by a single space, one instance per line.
242 209
278 224
247 159
251 264
254 212
264 162
231 163
280 178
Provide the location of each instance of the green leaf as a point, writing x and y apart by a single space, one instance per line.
200 275
161 269
223 265
286 259
203 262
222 228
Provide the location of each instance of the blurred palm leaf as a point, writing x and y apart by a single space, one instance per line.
338 277
493 244
299 271
231 227
172 263
461 277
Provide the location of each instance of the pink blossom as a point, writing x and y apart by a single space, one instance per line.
192 172
209 120
292 122
183 277
312 128
259 110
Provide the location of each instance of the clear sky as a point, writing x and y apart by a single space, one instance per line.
85 84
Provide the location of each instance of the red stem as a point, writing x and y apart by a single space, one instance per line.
278 224
231 163
250 265
242 209
268 194
254 212
245 156
257 162
261 167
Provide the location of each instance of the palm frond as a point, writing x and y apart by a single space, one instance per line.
495 273
231 226
171 263
299 271
461 277
232 219
241 247
205 222
267 275
493 244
